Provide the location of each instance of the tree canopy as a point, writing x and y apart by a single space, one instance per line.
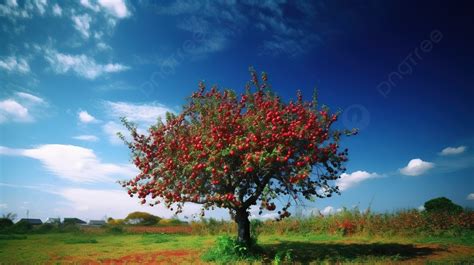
442 204
234 151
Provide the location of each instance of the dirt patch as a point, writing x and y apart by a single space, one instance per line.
443 252
421 254
159 257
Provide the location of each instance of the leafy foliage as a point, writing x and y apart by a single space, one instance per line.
228 249
442 204
142 218
5 223
283 256
21 227
10 216
232 151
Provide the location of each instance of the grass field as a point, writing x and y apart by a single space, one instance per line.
104 248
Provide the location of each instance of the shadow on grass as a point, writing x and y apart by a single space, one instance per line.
306 252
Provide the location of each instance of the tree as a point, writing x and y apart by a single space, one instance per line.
142 218
10 216
442 205
235 151
5 222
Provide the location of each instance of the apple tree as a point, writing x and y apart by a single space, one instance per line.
237 150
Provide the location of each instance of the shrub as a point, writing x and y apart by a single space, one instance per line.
228 249
172 221
112 221
46 228
442 204
255 228
212 226
115 229
283 256
142 218
69 228
5 223
21 227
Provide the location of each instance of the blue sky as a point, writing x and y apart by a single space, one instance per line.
400 72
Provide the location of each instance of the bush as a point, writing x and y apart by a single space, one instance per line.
228 249
69 228
142 218
5 223
170 222
115 229
46 228
442 205
112 221
283 256
255 228
22 227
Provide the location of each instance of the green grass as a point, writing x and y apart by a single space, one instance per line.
80 241
306 249
12 237
158 238
466 239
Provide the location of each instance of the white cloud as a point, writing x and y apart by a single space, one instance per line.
116 8
328 210
3 206
12 110
421 208
103 46
40 5
349 180
10 151
222 22
30 97
21 107
87 138
73 163
85 117
111 129
254 210
99 202
81 65
470 196
143 114
147 114
88 4
416 167
453 150
95 203
14 64
12 10
12 3
57 10
82 24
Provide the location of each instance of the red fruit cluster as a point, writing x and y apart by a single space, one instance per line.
225 149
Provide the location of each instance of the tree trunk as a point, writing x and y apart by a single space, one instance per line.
243 226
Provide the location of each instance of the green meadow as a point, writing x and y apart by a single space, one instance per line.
105 246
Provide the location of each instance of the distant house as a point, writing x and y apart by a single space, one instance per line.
53 221
97 222
75 221
31 221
